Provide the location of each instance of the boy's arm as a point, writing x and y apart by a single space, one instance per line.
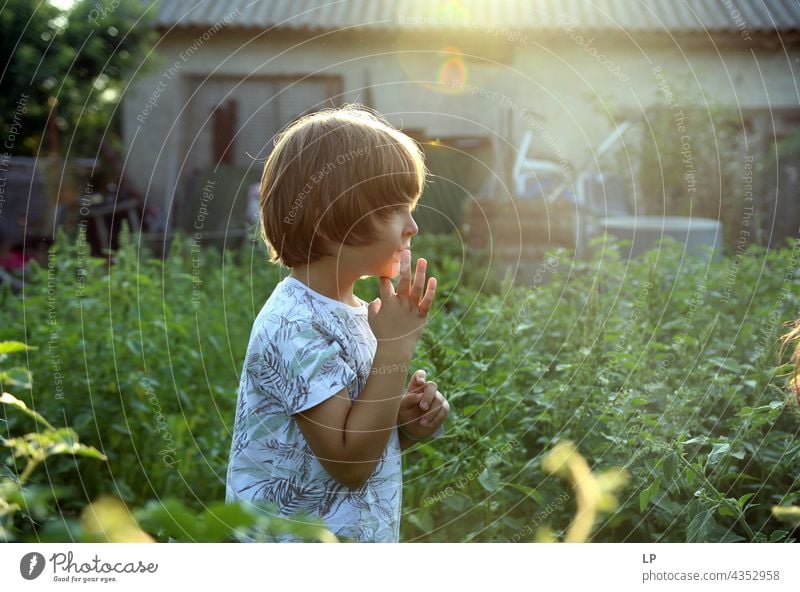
348 437
353 437
373 415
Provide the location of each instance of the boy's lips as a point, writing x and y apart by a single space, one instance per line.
398 254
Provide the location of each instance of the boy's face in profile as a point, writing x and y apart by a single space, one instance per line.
382 258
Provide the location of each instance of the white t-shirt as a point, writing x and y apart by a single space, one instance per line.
304 348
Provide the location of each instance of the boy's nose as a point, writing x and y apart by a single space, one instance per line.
412 229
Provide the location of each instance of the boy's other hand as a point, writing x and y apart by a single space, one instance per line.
423 408
399 316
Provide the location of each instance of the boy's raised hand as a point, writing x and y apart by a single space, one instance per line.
398 317
414 294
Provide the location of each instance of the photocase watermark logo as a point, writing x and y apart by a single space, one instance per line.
65 568
31 565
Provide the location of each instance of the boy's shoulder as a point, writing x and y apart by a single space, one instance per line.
288 314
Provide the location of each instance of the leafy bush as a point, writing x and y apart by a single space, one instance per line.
659 365
26 509
664 366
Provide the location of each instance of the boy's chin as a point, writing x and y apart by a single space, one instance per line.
380 268
393 269
390 270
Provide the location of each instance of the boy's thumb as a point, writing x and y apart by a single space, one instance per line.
417 384
374 306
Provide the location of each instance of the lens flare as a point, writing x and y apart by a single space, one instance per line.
443 70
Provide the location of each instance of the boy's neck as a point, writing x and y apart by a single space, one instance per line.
328 280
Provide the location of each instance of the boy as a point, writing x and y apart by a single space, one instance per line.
322 415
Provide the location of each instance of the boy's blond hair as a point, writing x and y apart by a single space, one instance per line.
330 176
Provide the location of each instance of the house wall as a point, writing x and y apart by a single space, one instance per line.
577 91
554 85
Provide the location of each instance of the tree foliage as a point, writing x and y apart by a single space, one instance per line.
71 65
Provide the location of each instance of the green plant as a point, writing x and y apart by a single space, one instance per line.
660 365
80 86
18 499
666 366
24 507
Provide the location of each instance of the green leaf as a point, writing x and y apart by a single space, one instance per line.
9 399
457 502
701 527
422 520
776 536
730 537
718 452
10 347
742 500
40 445
171 516
670 468
647 494
469 410
724 510
696 440
726 364
489 480
220 520
738 454
19 377
529 491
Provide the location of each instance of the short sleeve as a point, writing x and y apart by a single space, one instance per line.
317 368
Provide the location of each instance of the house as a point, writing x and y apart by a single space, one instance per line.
474 75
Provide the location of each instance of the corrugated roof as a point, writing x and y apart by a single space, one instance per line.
675 16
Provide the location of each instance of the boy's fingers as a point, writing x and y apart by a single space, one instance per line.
438 412
428 396
386 288
409 401
374 307
419 281
439 416
415 390
417 380
427 300
404 284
